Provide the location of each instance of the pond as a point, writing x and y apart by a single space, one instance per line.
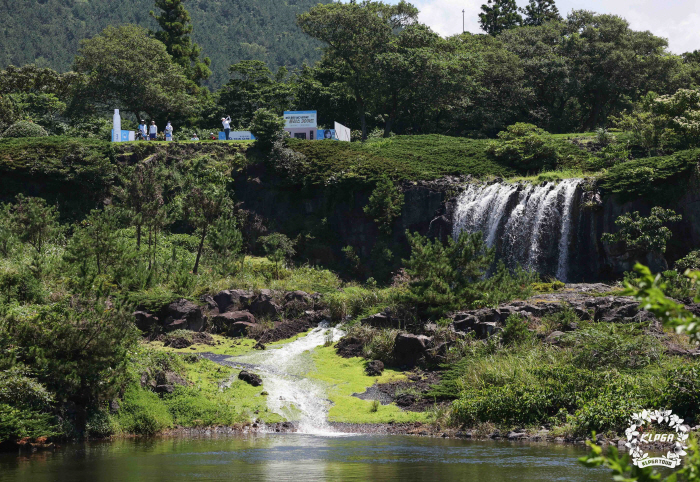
301 458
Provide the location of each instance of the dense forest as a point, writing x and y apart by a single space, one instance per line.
47 32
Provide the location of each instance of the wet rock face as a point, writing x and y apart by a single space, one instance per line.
250 378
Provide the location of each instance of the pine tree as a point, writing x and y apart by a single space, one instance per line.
499 15
176 26
538 12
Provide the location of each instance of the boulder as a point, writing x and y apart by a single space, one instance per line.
225 321
349 347
264 306
239 328
408 348
488 315
405 400
374 368
233 300
516 435
378 320
183 314
554 337
299 296
161 389
250 378
145 321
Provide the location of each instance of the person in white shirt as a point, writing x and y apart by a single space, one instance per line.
153 131
226 121
168 132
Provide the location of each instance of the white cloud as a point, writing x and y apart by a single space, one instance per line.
675 20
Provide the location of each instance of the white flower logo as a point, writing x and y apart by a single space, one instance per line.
637 437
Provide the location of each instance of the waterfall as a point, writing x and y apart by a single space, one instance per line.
290 393
528 225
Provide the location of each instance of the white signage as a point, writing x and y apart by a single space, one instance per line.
300 119
342 133
237 136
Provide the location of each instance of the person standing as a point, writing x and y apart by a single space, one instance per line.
169 132
143 130
153 131
226 121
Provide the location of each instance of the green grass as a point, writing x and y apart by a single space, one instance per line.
224 346
402 157
651 177
421 157
345 376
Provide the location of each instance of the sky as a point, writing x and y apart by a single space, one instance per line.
676 20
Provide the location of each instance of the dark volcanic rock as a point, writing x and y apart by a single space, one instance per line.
374 368
349 347
145 321
264 306
405 400
378 320
239 328
183 314
298 295
250 378
224 322
233 300
179 342
409 348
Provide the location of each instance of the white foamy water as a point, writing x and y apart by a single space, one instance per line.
528 225
290 393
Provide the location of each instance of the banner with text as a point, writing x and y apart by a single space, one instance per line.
300 119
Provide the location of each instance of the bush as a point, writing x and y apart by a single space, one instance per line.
525 147
25 129
683 392
690 261
515 330
142 412
267 127
602 346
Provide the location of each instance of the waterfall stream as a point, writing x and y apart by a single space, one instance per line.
528 225
290 392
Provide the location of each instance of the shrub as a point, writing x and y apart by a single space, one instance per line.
267 127
385 205
142 412
682 394
690 261
608 412
639 235
602 346
525 147
24 129
515 330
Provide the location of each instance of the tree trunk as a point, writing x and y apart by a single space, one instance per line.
199 251
361 111
138 237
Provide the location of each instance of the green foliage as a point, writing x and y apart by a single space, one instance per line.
524 147
538 12
226 242
24 129
515 330
499 15
385 205
96 238
126 68
278 249
20 284
690 261
32 221
267 127
175 33
683 392
445 277
141 412
639 235
650 177
596 346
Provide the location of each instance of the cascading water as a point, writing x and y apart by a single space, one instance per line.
290 393
528 225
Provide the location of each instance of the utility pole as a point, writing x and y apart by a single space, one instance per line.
462 20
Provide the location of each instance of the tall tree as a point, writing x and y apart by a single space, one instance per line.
176 32
355 34
127 69
499 15
538 12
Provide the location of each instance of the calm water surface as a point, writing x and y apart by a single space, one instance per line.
301 458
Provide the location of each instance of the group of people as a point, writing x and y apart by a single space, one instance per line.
150 132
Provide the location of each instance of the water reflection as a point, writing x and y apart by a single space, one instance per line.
300 458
